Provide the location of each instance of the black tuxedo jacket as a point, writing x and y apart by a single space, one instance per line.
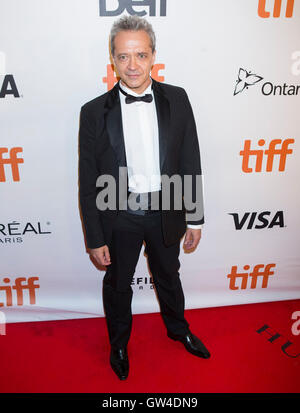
102 151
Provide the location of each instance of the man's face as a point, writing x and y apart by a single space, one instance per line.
133 59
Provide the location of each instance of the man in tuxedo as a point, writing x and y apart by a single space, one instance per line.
148 128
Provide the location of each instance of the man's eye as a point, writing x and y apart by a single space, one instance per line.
123 57
142 55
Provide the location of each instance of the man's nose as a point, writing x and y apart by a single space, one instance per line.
132 63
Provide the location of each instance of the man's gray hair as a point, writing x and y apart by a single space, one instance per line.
133 23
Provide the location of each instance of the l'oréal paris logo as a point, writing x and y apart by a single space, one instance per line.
14 232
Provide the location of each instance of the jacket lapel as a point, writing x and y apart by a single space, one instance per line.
114 125
163 119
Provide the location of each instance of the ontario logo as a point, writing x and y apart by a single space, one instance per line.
247 78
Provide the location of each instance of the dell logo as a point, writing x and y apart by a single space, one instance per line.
131 7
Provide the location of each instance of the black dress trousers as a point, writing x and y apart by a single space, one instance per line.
129 232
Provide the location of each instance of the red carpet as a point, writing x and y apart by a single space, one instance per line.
72 355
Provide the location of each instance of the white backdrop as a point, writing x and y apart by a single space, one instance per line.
53 58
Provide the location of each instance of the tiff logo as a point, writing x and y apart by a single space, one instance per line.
13 161
130 7
111 78
259 270
19 286
258 154
262 12
2 324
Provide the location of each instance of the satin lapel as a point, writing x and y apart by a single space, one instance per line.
114 125
163 119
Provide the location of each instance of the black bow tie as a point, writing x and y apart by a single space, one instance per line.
130 99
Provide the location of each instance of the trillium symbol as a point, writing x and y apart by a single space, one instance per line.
244 80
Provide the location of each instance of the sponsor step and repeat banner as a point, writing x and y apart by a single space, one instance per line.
239 62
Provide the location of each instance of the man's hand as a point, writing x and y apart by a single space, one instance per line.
101 255
192 238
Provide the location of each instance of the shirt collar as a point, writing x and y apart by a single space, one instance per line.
132 93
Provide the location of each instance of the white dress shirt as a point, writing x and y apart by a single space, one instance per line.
140 130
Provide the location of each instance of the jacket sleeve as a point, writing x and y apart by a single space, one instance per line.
88 174
190 166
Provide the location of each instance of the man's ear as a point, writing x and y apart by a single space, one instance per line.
153 57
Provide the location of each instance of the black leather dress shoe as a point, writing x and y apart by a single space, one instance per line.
119 362
192 344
